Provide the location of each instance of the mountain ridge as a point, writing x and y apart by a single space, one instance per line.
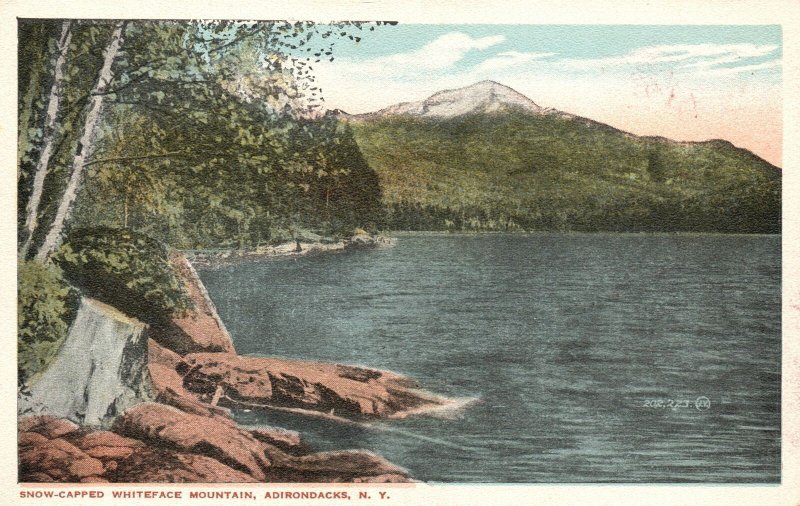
518 103
481 158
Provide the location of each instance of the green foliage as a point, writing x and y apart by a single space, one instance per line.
319 181
45 308
202 141
655 167
34 358
42 303
127 270
512 170
332 188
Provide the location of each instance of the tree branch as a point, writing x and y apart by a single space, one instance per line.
239 38
130 158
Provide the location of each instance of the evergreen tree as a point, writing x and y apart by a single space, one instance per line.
655 166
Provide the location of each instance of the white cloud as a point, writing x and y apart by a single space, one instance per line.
744 68
734 53
509 59
445 51
695 55
438 54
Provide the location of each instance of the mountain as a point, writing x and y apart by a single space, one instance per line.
486 157
482 97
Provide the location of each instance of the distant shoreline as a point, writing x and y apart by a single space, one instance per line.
386 239
207 258
401 233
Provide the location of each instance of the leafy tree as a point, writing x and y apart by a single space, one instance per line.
139 133
221 98
45 306
128 270
48 139
86 144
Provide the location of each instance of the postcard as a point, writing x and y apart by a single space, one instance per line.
361 253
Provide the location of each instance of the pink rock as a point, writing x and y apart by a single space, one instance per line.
214 437
286 440
201 329
31 438
333 389
58 459
48 426
110 452
93 479
82 468
158 465
38 478
168 383
104 438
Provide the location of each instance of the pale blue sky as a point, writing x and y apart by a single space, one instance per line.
565 41
684 82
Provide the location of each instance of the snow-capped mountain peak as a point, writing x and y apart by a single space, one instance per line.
481 97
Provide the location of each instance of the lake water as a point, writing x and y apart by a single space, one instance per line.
587 353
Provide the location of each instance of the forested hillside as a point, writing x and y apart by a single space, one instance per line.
513 169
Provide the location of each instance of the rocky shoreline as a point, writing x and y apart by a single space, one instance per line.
179 428
300 247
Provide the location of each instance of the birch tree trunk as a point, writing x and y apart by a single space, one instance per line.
85 146
48 138
25 115
28 99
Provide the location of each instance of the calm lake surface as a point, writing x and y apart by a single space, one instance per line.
587 353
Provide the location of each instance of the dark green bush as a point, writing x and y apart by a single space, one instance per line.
125 269
45 309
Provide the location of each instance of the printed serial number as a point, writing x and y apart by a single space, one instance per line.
702 403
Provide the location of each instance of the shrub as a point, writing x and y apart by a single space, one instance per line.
45 308
278 235
125 269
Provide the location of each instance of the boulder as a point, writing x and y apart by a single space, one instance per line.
42 459
159 465
332 467
48 426
167 384
99 371
106 446
217 437
364 240
152 442
73 455
201 329
283 439
26 439
249 452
